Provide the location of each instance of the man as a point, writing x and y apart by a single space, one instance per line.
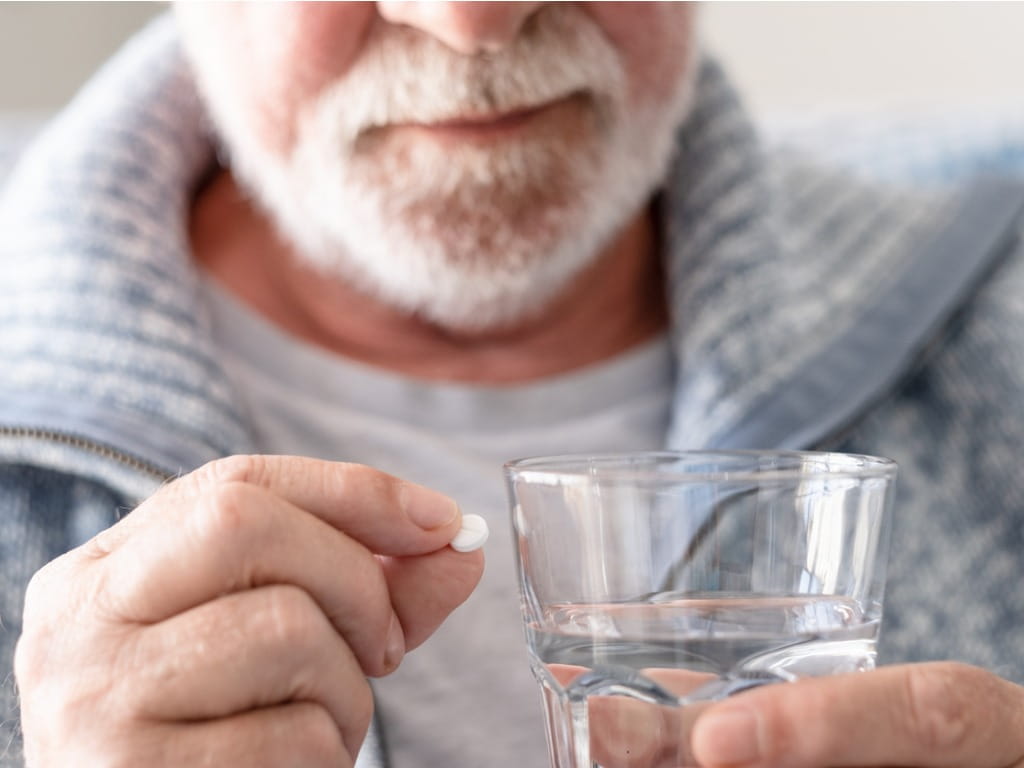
440 236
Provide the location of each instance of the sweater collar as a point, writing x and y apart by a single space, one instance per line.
100 319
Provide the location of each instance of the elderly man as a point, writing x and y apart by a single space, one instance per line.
434 237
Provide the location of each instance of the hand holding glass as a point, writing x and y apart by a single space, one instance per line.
654 583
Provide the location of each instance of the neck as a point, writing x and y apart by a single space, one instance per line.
617 303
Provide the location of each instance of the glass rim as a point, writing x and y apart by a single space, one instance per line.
588 466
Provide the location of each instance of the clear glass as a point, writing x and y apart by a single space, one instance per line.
654 583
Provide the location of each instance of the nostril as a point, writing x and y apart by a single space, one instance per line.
466 27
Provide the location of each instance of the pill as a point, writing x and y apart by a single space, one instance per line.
471 535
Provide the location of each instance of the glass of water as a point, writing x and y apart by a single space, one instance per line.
655 583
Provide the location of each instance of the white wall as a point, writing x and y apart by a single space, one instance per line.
785 56
906 56
47 50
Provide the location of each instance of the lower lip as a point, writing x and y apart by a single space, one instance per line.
504 122
503 126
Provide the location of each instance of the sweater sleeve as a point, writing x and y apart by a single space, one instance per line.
43 514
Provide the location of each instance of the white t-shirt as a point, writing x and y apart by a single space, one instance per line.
467 696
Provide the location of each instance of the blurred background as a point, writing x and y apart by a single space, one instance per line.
786 57
861 56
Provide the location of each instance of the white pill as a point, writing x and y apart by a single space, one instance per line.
471 535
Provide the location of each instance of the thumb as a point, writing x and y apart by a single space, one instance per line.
425 589
938 714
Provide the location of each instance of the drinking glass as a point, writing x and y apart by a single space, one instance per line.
655 583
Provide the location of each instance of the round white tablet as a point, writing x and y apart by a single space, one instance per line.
472 535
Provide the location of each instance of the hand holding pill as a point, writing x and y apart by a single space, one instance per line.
293 579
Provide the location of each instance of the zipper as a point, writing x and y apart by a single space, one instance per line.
98 449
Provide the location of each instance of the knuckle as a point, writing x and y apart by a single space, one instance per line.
30 661
317 735
366 480
44 605
226 512
937 714
104 542
291 618
241 468
38 597
47 589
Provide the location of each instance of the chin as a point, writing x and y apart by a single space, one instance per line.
465 269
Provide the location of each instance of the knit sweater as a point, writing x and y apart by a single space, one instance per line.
809 309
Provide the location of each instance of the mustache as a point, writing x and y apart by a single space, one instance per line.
406 76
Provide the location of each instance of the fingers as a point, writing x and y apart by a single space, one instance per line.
424 590
247 651
300 733
939 714
240 537
207 535
384 513
249 521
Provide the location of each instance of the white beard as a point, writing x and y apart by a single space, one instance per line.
476 237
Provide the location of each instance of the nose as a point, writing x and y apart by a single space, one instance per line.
467 27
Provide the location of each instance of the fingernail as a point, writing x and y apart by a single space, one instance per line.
427 508
728 738
394 646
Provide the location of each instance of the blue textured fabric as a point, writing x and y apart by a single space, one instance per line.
926 147
110 382
37 527
112 273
